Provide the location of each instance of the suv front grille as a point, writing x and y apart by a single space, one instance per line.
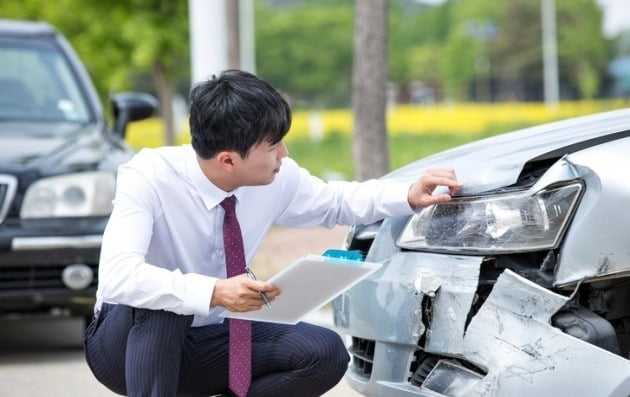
362 351
20 278
8 184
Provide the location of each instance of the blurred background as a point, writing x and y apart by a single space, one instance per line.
455 70
374 84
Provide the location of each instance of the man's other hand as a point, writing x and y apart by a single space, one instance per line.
421 193
242 294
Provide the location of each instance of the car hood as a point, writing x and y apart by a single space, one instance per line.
497 162
51 147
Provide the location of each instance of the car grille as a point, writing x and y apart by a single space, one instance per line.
421 367
362 351
7 191
20 278
424 363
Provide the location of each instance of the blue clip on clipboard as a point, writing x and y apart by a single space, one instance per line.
344 254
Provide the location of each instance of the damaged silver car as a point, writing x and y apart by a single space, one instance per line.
519 286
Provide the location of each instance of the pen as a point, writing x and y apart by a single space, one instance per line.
251 275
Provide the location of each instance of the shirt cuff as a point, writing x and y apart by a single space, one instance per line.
198 294
398 196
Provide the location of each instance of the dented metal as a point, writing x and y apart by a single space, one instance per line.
416 275
451 301
511 336
528 323
598 243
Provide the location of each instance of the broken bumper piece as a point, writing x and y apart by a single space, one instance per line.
431 343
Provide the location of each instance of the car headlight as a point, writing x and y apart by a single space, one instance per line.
80 194
507 222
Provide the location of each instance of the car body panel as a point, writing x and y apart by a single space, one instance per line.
512 337
418 275
438 323
497 161
603 168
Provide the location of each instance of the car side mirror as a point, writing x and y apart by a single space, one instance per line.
131 106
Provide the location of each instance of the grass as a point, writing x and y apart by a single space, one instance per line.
322 141
331 157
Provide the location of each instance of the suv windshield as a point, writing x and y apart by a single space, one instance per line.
37 84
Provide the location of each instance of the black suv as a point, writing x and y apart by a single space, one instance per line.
58 162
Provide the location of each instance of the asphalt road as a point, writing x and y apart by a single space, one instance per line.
43 357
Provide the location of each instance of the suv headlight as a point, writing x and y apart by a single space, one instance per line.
501 223
80 194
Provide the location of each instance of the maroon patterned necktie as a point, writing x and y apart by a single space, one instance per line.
240 330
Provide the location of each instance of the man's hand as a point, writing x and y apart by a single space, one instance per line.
242 294
421 192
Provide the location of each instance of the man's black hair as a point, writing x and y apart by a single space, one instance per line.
236 111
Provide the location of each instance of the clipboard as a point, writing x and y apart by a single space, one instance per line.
306 285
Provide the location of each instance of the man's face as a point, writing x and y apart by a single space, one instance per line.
262 163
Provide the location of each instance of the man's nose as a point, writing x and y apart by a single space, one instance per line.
283 151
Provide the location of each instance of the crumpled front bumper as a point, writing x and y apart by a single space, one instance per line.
421 301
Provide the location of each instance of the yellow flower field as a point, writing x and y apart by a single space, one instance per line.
457 118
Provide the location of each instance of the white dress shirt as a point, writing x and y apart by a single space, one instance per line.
163 245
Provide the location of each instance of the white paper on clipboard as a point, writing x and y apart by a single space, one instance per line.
307 284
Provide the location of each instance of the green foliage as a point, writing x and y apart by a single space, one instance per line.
517 51
157 30
581 47
305 48
458 66
514 53
306 51
333 153
332 156
414 31
417 33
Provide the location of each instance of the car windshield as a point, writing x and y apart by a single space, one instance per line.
37 84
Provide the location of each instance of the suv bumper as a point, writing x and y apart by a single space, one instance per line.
48 264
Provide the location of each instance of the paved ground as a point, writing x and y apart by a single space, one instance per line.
42 356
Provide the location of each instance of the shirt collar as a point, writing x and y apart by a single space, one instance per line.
208 191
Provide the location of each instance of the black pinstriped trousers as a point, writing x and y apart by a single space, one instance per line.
141 352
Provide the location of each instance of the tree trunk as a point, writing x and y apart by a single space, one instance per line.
166 91
233 33
369 89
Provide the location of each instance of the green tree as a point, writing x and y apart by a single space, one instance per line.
581 44
306 50
518 56
513 52
416 32
157 34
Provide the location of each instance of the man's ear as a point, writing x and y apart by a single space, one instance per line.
226 160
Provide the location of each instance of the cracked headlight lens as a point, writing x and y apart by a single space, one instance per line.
507 222
80 194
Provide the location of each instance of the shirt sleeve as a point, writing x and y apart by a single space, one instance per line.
312 201
124 275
